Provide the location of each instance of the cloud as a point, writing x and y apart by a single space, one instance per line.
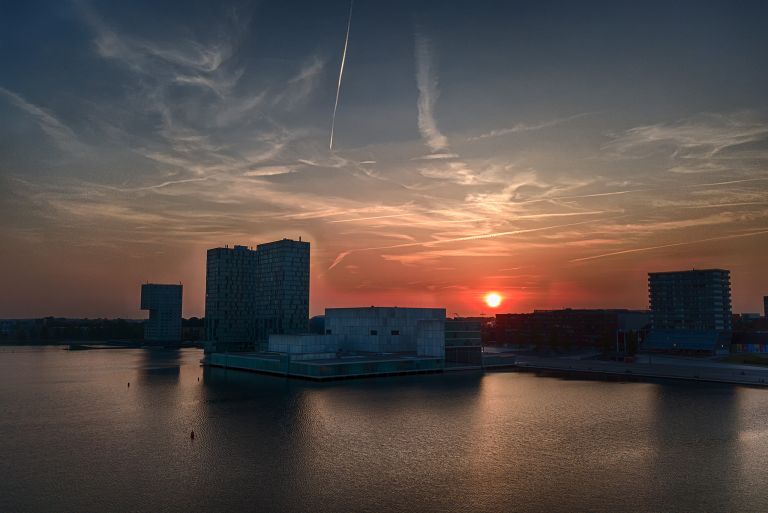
299 87
464 238
703 143
523 127
426 82
671 245
437 156
61 134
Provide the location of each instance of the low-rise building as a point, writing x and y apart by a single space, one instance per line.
569 329
463 342
375 330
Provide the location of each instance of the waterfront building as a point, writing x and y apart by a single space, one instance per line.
463 342
389 329
282 299
569 329
357 342
230 294
690 311
697 300
253 293
164 304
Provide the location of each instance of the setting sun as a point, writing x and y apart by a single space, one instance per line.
493 299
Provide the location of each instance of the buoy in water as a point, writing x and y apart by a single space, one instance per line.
192 435
129 384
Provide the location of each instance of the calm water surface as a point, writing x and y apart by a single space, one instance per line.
75 437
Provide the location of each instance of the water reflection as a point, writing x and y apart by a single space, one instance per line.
494 442
160 363
695 429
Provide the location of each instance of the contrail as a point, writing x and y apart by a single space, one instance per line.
430 243
671 245
341 74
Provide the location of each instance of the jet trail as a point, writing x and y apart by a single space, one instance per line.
341 74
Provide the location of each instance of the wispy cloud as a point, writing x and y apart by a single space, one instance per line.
430 243
670 245
299 87
700 144
63 136
427 84
525 127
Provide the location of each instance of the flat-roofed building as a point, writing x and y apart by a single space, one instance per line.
253 293
230 292
282 299
696 300
463 342
690 311
164 304
569 329
389 329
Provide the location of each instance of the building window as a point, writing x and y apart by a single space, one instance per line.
327 332
374 332
395 332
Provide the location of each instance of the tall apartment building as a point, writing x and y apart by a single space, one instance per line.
230 296
697 300
164 305
251 294
765 307
282 302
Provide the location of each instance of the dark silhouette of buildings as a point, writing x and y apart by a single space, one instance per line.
164 305
690 311
463 342
570 329
251 294
697 300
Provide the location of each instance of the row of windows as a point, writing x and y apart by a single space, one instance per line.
373 332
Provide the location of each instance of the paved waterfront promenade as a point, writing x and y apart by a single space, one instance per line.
665 367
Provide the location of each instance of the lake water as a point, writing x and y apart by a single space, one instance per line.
75 437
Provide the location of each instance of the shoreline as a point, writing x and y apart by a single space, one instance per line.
670 369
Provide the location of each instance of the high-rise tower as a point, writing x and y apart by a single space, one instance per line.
164 305
251 294
697 300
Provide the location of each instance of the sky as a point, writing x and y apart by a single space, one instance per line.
553 152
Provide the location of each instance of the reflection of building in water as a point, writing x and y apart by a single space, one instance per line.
160 363
690 311
164 305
